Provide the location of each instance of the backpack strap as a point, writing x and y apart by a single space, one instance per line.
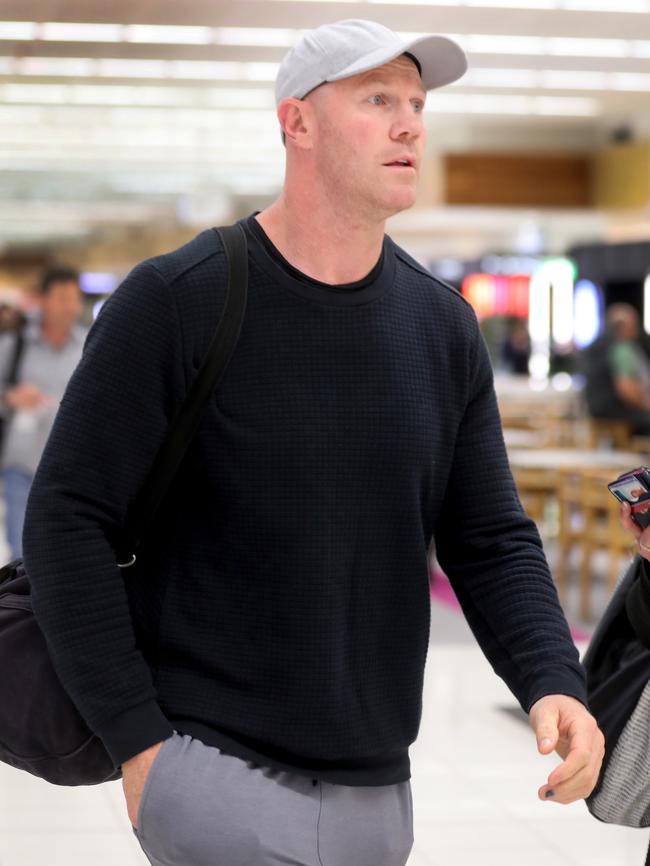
190 414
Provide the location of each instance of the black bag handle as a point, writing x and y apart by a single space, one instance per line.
190 414
19 348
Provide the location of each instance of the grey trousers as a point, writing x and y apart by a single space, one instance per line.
202 807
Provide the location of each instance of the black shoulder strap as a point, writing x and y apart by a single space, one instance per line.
16 357
186 422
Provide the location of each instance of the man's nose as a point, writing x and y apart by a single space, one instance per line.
408 124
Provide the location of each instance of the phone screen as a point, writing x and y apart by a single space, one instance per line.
630 488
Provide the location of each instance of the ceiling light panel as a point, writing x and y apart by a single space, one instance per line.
132 68
249 100
168 34
566 106
257 36
526 45
606 5
513 4
584 5
17 30
567 47
631 81
285 37
64 32
162 137
562 79
501 78
203 70
459 103
76 67
82 156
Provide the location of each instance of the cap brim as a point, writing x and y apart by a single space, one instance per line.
441 60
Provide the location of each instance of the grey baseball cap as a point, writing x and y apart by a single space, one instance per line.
348 47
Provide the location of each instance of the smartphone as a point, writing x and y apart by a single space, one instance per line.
634 487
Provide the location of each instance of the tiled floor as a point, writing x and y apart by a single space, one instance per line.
475 771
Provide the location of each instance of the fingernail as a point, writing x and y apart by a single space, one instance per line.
546 742
549 793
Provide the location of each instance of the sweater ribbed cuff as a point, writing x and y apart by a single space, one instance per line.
558 681
134 730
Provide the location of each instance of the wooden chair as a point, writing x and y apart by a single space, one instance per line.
641 444
601 531
571 525
603 433
537 488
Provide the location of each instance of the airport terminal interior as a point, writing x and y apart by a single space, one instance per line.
128 127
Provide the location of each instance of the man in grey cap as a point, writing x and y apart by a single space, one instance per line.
262 696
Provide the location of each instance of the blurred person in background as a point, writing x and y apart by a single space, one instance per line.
258 673
617 371
515 351
45 348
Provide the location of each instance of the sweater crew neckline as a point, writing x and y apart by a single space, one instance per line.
375 284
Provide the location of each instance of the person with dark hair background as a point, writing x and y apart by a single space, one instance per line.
48 349
515 351
617 371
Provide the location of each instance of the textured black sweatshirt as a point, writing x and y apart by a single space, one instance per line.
280 607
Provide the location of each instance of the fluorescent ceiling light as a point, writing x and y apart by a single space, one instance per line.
410 2
459 103
562 79
566 106
606 5
64 32
514 4
639 48
501 78
17 30
503 44
586 5
132 68
568 47
83 67
285 37
162 137
248 99
258 36
555 79
543 45
99 158
76 67
631 81
168 34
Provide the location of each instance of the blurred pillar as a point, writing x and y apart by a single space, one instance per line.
621 176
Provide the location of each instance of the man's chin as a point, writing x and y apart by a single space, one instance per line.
397 204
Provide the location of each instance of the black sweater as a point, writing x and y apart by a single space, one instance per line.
280 608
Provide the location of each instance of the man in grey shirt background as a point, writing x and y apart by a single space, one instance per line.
52 344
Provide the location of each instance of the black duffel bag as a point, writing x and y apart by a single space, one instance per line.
41 730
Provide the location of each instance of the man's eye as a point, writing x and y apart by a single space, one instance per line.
418 106
377 99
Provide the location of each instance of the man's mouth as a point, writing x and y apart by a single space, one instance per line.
404 162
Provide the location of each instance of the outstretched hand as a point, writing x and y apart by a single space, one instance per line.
564 725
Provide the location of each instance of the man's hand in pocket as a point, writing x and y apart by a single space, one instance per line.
134 776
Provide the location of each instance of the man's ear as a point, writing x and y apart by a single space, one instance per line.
296 119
